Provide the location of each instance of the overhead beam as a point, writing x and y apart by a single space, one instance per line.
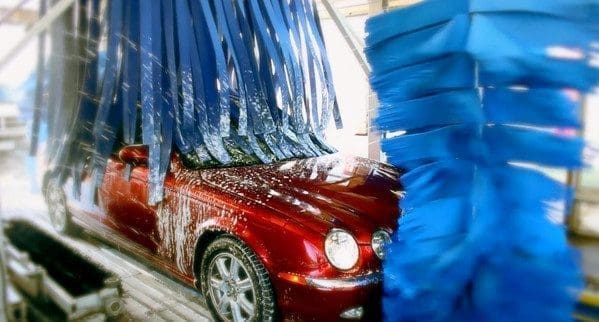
18 16
364 9
11 10
41 25
377 6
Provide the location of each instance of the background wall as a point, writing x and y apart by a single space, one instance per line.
352 89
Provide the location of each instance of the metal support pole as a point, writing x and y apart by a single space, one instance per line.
39 86
355 43
374 137
377 6
574 178
44 23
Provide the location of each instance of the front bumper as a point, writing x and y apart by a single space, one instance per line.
346 283
303 298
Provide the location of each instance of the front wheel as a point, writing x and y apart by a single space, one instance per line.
57 208
236 283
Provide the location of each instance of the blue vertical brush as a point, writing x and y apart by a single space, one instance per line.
475 94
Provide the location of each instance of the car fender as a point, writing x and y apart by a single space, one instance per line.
281 249
213 228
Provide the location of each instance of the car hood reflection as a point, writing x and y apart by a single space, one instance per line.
338 191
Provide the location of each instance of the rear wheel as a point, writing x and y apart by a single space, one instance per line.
57 208
235 282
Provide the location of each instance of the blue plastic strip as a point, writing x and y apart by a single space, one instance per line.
332 107
276 23
294 74
187 136
88 105
232 43
263 120
149 88
130 86
222 79
206 63
55 121
107 116
209 76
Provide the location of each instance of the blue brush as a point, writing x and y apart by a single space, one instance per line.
480 89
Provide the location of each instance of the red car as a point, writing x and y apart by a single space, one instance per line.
300 240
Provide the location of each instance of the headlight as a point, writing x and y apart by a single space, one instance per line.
341 249
380 238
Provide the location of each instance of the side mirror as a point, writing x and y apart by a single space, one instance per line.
134 154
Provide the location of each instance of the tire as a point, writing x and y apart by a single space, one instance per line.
60 218
243 296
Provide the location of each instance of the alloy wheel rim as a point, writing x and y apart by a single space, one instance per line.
56 208
231 288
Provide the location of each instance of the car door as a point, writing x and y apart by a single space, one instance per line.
125 201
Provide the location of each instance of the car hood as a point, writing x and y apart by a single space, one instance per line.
320 193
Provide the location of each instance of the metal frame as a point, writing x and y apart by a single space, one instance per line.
374 137
33 280
574 180
14 10
44 23
355 43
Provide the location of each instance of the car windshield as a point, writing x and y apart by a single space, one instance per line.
201 159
